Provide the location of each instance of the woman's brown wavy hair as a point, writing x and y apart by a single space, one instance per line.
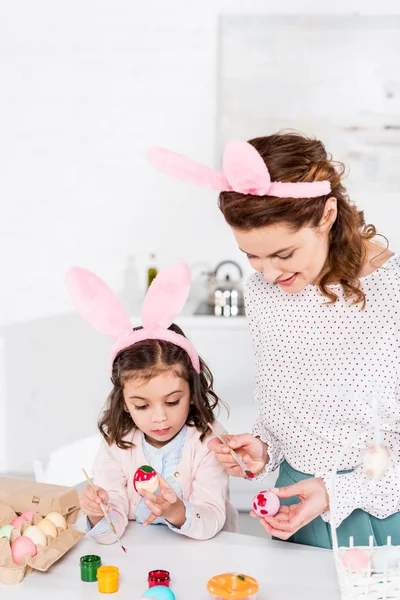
148 359
293 157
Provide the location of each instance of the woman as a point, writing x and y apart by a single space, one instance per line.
323 309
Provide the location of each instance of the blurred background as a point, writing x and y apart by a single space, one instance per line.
86 88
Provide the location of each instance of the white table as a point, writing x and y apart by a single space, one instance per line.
284 571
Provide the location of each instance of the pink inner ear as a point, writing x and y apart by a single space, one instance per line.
182 168
96 303
245 169
166 297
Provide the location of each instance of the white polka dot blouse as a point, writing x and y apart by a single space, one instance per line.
320 369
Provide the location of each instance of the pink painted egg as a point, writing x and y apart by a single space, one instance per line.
356 559
20 546
28 515
18 522
266 504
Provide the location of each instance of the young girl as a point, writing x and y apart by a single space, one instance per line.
157 414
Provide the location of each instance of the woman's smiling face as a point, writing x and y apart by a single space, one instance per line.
290 259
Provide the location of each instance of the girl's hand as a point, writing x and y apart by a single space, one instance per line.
90 503
167 504
251 450
289 519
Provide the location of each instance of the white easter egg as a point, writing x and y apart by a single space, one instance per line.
376 462
37 535
48 527
57 519
146 478
385 557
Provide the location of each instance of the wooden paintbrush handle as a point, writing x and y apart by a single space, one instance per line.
103 508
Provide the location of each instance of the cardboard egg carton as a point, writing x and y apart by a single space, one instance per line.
17 496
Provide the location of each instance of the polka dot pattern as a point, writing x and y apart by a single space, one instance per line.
319 368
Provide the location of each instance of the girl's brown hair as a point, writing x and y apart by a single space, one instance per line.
148 359
292 157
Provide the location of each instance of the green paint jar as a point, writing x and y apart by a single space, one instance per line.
89 566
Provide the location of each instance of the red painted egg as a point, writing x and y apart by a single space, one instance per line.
266 504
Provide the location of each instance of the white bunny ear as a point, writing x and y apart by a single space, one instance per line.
96 303
166 297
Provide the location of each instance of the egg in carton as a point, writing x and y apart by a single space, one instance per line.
33 535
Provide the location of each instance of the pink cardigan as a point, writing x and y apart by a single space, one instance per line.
204 483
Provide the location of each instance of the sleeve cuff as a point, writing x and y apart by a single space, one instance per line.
187 523
275 454
101 528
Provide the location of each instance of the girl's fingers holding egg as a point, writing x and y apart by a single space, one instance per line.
152 497
156 510
149 520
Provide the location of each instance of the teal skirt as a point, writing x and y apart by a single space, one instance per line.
358 524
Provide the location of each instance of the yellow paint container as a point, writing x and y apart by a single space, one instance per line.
107 578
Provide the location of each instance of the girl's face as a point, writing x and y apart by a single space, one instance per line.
159 407
289 259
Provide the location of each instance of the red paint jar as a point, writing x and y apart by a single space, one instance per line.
158 578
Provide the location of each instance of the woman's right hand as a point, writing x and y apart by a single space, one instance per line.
251 450
90 503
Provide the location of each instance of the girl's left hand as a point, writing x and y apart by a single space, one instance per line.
167 504
314 500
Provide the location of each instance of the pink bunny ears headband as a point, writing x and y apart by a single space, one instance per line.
244 171
164 300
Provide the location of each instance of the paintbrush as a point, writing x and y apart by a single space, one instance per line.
103 508
239 461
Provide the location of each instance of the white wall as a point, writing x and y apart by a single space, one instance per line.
87 86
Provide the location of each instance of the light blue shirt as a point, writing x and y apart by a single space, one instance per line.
165 461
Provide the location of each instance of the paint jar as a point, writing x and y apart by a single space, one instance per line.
89 566
158 577
107 578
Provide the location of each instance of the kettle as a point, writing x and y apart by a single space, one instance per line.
225 296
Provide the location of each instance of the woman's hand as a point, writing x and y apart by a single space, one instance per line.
251 450
90 503
167 504
289 519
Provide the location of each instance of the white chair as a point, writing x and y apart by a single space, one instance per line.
64 466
